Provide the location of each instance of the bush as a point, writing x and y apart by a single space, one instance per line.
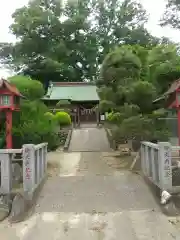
31 125
63 118
137 127
114 118
50 116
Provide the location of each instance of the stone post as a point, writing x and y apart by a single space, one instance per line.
45 158
165 168
6 172
29 167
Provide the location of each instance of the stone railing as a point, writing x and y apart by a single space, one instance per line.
34 165
6 160
161 166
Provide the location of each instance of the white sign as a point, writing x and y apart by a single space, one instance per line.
102 117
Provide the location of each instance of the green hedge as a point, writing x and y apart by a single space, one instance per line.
63 118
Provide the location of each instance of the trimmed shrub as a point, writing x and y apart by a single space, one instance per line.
50 115
63 118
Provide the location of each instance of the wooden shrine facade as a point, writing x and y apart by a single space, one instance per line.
82 98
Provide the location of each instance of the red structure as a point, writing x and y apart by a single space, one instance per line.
171 100
9 102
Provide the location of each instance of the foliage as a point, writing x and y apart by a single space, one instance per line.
67 41
172 14
138 127
142 94
120 66
128 86
63 118
50 116
32 125
142 127
114 118
92 40
164 66
106 106
31 89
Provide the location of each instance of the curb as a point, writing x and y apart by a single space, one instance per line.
24 203
110 139
68 139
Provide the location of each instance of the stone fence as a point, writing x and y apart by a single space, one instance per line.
161 165
34 166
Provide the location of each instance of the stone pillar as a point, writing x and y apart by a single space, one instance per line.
6 172
29 178
165 169
78 110
97 115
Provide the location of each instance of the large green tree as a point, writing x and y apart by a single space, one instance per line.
68 42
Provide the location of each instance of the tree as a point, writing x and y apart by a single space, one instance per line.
142 94
31 89
172 14
120 67
32 125
69 42
164 66
130 79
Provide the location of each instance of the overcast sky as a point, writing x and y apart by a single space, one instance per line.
154 8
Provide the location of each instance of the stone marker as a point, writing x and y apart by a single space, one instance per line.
5 206
19 208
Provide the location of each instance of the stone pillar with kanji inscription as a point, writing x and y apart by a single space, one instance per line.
165 165
29 180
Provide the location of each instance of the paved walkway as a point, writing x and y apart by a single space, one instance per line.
90 200
89 139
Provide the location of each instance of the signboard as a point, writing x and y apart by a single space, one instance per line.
102 117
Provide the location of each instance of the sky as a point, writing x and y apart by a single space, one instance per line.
154 8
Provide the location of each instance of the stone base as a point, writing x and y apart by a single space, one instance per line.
23 203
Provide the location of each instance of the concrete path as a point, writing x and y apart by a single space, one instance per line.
86 198
89 139
89 200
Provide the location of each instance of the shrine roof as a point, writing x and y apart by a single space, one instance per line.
11 87
174 86
74 91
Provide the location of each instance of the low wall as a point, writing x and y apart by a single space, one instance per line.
34 165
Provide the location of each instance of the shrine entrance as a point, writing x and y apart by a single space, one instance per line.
87 114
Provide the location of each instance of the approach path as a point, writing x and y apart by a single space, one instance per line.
89 199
